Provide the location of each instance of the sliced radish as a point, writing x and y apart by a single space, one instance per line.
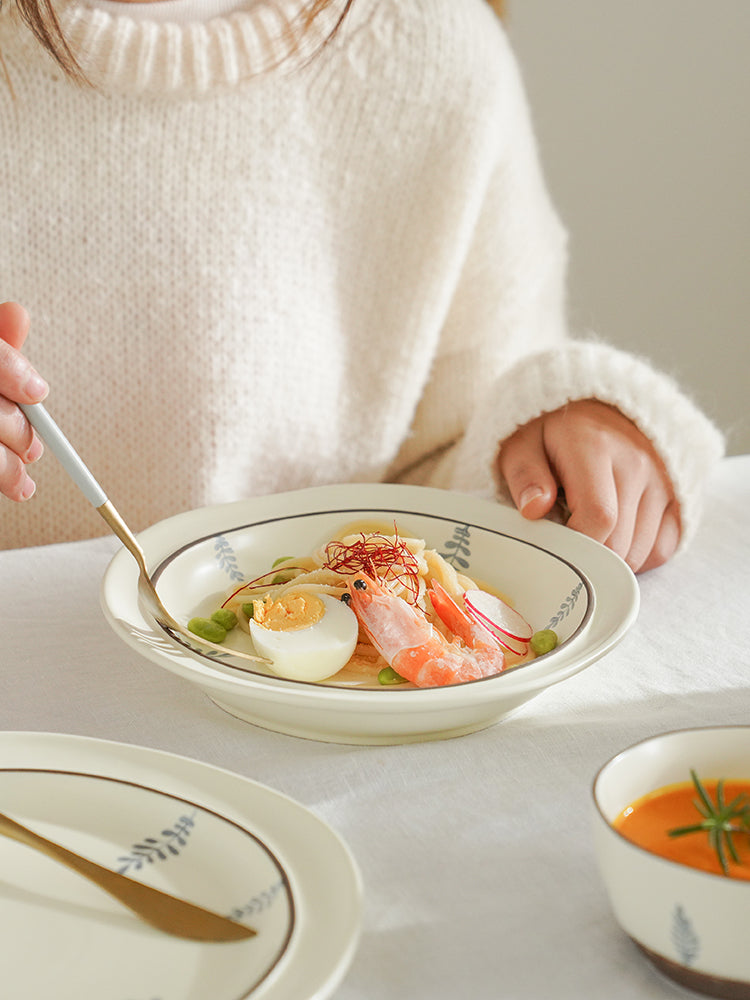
512 645
519 648
499 617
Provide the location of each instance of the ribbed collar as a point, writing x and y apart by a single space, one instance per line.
120 54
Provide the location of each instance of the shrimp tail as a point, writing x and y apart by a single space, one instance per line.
459 622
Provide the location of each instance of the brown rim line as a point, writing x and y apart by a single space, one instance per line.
699 982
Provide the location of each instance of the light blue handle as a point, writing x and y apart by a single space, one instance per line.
69 458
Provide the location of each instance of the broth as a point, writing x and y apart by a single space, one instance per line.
646 822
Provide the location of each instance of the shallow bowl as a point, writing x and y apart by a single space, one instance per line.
556 578
691 925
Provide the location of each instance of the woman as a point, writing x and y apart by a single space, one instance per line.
273 244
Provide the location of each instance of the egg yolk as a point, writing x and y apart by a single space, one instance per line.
294 610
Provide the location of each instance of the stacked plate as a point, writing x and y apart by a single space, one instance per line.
195 831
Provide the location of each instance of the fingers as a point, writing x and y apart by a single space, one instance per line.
616 488
14 324
19 383
524 465
19 447
664 544
626 505
15 482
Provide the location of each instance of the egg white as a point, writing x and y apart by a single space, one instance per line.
313 653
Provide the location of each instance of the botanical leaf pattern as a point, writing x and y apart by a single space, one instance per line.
226 558
567 606
260 902
685 940
161 848
459 547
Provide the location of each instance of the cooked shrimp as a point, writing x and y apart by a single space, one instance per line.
414 647
458 622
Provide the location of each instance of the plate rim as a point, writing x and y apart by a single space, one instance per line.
220 790
428 501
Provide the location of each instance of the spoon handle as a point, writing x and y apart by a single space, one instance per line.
160 909
69 458
73 464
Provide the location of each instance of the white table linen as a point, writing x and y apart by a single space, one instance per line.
476 853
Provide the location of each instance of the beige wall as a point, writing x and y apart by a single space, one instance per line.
643 114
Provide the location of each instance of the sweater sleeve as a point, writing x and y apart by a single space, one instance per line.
506 355
686 441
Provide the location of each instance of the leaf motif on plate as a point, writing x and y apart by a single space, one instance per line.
260 902
226 558
459 547
151 849
567 606
152 639
213 654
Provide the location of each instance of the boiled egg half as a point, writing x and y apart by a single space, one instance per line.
307 636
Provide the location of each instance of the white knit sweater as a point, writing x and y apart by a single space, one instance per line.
244 279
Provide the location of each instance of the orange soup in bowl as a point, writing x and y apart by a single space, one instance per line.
651 822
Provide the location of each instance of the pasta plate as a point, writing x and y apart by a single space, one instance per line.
556 578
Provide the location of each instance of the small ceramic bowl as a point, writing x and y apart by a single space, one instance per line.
693 926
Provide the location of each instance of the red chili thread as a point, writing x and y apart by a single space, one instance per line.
386 559
276 571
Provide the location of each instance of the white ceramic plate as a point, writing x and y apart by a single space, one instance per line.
201 833
555 577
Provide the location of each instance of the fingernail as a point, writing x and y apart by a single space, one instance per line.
529 494
28 489
36 388
35 452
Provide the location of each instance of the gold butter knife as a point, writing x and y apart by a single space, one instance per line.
160 909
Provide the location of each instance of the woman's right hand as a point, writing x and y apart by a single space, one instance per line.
19 383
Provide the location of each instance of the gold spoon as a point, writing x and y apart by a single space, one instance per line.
73 464
160 909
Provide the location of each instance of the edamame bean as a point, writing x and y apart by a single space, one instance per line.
207 629
543 641
224 617
248 609
389 676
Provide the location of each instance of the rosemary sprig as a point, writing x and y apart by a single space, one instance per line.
722 820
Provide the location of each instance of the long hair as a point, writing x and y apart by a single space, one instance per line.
40 16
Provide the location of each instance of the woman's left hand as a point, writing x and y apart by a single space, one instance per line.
616 487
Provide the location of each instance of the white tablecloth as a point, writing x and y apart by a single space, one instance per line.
476 853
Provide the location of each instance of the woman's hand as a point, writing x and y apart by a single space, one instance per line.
616 487
19 383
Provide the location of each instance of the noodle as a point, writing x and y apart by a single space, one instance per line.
401 563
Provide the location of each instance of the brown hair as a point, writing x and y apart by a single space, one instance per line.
40 16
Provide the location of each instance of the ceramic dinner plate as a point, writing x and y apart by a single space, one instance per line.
193 830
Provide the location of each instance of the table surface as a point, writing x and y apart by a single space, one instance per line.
476 853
